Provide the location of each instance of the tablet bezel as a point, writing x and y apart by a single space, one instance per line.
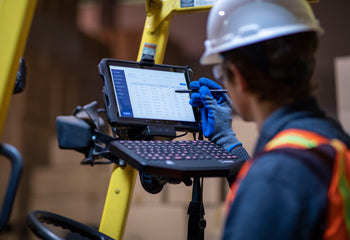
126 122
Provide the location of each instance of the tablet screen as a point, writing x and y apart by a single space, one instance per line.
150 94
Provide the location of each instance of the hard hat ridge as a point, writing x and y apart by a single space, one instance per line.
236 23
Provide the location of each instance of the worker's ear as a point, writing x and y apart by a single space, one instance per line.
237 78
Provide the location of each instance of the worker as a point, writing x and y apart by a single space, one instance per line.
263 53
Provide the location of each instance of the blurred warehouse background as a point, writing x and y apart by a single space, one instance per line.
68 38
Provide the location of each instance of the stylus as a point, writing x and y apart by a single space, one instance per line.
191 91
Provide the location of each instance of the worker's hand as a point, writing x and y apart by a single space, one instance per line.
216 113
196 85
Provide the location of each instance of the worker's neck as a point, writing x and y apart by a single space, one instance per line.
261 110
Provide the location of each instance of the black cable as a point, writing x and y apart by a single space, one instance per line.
181 135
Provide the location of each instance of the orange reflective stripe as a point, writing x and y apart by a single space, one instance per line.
338 197
234 187
295 138
338 215
338 225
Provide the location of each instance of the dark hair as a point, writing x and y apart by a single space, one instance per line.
277 69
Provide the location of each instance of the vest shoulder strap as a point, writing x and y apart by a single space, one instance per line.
338 218
296 138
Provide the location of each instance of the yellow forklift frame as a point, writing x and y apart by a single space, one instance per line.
15 20
154 41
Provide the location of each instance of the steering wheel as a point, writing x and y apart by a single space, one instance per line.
17 164
36 219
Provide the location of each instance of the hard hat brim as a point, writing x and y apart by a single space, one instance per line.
212 54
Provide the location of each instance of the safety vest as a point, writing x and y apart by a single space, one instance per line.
338 215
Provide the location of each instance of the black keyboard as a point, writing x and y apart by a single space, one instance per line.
177 158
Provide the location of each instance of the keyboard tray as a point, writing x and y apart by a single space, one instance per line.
179 159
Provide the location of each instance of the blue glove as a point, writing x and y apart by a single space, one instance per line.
216 113
195 97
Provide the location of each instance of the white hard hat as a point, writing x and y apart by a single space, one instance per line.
236 23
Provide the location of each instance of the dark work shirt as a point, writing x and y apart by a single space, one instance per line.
281 197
